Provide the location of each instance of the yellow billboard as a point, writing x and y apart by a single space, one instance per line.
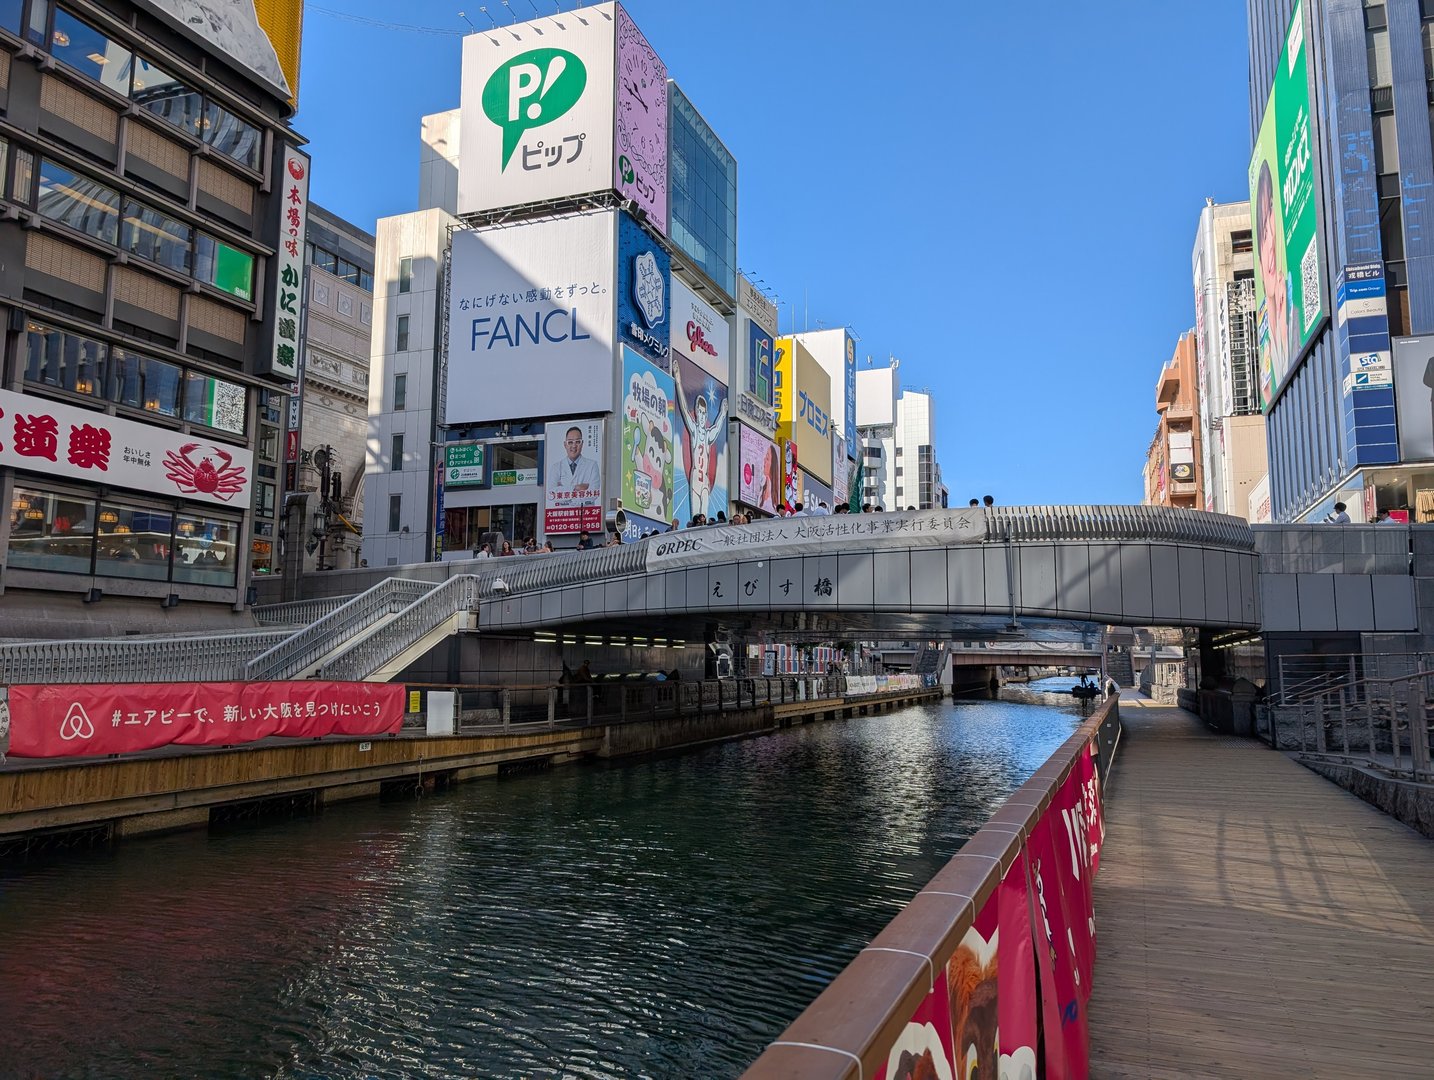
802 396
283 22
260 36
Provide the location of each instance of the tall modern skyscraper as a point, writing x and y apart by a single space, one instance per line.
1340 121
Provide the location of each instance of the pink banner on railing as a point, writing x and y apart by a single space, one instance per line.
119 718
1018 976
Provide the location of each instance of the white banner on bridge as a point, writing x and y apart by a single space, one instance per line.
828 535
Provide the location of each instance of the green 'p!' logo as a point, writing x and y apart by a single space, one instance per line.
532 89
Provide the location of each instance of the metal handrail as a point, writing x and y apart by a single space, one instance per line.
298 612
1109 522
207 658
411 625
308 646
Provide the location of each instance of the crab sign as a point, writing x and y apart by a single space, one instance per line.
203 477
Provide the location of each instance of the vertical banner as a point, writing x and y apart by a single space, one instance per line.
644 305
647 438
923 1049
284 306
640 153
791 476
1017 976
700 484
572 495
973 981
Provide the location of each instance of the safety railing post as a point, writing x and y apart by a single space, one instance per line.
590 689
552 706
505 703
1319 725
1343 720
1418 731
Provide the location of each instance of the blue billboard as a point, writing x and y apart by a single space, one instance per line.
644 300
849 378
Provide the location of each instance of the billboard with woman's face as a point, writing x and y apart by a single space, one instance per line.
1289 278
760 471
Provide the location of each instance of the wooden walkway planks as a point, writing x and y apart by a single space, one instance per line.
1254 919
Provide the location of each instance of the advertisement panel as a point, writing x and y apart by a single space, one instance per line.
759 466
760 309
791 476
700 481
261 36
64 441
644 303
1414 396
283 309
530 315
572 499
119 718
802 396
640 165
849 403
814 492
537 111
699 333
841 472
463 465
648 417
1289 277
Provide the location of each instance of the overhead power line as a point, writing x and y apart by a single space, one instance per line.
380 24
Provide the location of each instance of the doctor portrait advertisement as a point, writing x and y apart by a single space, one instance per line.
573 488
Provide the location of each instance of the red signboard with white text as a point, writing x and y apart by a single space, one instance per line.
120 718
64 440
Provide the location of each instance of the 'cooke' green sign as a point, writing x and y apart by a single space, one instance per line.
463 465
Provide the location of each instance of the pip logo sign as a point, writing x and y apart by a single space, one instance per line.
530 90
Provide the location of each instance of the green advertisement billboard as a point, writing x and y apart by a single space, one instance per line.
1284 204
463 465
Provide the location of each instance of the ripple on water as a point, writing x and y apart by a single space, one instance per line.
662 918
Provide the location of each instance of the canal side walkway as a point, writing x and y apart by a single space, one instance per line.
1254 919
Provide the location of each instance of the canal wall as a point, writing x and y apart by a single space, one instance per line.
97 801
1014 900
1403 800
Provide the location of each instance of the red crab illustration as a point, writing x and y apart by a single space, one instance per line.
204 478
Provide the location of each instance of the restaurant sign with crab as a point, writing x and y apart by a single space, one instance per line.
62 440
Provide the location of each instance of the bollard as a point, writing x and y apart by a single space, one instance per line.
552 706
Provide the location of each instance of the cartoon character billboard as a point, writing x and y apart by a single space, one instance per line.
701 480
647 438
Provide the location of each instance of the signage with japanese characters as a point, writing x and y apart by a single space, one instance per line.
700 472
463 465
761 310
288 290
802 395
62 440
572 497
530 317
648 438
538 110
640 154
115 718
699 333
644 305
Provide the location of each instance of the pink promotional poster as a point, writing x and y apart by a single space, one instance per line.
119 718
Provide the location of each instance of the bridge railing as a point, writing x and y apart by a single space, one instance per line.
298 612
411 625
1379 723
207 658
1056 522
1303 677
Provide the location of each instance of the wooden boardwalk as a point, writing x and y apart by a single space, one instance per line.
1254 919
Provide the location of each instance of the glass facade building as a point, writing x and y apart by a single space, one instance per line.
702 177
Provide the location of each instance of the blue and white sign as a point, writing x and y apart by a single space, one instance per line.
530 320
1359 293
644 300
849 372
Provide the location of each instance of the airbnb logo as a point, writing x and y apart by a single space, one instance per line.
698 340
76 724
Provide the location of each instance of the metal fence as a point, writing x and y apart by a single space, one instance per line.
425 615
1303 677
211 658
298 612
1381 723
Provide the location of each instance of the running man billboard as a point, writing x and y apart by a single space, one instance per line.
700 481
1290 276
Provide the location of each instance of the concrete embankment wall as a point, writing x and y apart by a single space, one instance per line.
110 799
1409 802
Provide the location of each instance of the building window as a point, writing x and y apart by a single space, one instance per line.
267 497
79 202
405 274
133 542
401 344
214 402
156 237
900 471
10 13
205 550
142 382
226 268
64 360
400 393
236 139
326 261
82 47
395 513
162 95
1242 242
50 532
396 454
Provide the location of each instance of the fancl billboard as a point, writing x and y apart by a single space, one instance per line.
530 320
1290 280
563 105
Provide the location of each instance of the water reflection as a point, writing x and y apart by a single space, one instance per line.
666 918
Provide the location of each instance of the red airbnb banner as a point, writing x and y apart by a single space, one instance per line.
120 718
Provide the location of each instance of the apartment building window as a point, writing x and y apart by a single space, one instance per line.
1242 242
396 455
400 393
401 344
395 513
405 274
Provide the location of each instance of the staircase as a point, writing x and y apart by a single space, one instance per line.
1119 667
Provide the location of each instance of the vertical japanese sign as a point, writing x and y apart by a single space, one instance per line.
572 498
1289 278
849 373
644 306
803 402
640 163
647 438
700 485
288 289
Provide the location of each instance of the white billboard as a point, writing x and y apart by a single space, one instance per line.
700 334
530 320
63 440
538 110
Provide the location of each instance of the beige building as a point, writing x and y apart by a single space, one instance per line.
1173 471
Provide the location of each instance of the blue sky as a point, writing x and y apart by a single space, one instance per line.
1004 196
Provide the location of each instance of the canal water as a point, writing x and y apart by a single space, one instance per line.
665 918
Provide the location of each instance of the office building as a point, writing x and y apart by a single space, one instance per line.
151 245
1173 465
1232 428
897 429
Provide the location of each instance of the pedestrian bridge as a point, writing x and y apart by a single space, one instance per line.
919 573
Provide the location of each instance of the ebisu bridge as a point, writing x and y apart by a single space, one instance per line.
1212 866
